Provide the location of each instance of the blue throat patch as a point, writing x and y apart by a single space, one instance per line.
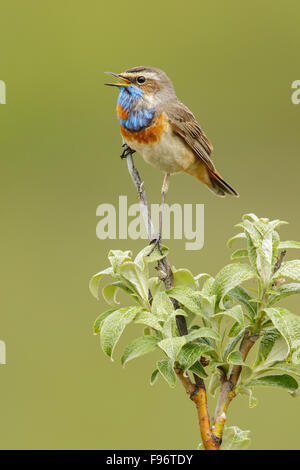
137 120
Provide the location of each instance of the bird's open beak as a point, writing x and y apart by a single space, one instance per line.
126 82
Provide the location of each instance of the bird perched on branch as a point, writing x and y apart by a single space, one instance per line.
163 130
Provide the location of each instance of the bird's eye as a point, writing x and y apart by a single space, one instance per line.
141 80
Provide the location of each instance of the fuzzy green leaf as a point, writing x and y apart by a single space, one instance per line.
236 313
136 278
284 291
100 319
238 254
202 333
232 343
172 346
113 326
288 244
138 347
289 269
235 439
241 295
190 353
285 367
184 277
154 376
267 345
235 357
162 306
95 281
148 319
167 371
118 257
214 383
283 381
198 369
289 326
236 237
188 298
229 277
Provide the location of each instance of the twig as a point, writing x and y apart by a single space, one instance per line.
197 390
197 393
163 267
279 261
227 392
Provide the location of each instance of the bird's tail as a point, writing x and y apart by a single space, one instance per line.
219 186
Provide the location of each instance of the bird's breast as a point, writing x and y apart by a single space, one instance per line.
160 146
146 135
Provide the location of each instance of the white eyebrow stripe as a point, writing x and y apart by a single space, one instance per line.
144 74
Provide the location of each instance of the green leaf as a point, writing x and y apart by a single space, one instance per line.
236 313
288 325
190 353
198 369
238 254
208 304
214 383
236 237
184 277
288 244
289 269
162 306
235 439
284 291
148 319
113 326
95 281
202 333
188 298
266 345
232 344
172 346
154 376
234 330
110 295
117 258
138 347
253 401
283 381
229 277
235 357
136 278
207 286
100 319
241 295
167 371
283 366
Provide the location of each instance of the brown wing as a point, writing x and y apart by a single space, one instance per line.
184 124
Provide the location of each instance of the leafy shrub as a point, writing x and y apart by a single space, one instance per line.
224 320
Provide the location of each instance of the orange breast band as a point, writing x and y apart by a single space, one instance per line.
145 136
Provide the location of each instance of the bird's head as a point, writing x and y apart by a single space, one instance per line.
147 83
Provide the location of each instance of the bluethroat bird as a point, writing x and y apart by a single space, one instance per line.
163 130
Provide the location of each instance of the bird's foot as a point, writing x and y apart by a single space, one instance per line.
127 151
156 242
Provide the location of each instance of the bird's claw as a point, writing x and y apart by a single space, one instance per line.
156 242
127 151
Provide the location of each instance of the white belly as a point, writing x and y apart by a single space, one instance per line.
170 154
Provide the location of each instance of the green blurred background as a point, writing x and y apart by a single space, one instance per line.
233 64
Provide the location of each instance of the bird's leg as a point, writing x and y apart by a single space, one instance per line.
127 151
164 190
